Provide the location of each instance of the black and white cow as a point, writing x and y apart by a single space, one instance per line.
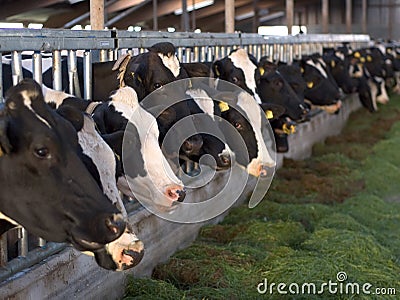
48 187
147 171
321 89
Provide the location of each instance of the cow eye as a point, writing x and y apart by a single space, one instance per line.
237 125
235 80
157 85
42 152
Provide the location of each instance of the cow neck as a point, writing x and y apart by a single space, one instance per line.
90 109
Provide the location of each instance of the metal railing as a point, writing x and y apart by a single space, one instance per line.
108 45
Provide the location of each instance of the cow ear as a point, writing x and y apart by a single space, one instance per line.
217 68
272 111
5 145
73 115
122 62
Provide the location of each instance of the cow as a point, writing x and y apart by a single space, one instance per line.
49 189
339 66
239 109
241 69
147 168
321 89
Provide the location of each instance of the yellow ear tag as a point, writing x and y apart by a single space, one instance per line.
223 106
302 70
357 54
217 71
1 152
289 130
388 50
269 114
333 64
262 71
138 77
369 58
362 59
310 84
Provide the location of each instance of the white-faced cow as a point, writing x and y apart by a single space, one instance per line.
49 189
147 171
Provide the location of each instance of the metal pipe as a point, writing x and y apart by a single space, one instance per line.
1 81
57 76
37 67
3 249
87 74
16 67
22 242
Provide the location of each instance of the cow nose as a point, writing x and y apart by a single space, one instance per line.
224 160
175 193
266 171
115 225
192 145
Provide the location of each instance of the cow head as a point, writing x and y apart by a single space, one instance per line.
273 87
322 90
49 189
147 174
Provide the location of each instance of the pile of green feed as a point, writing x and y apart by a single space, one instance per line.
338 211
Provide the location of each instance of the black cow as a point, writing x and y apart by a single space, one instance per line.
321 89
48 188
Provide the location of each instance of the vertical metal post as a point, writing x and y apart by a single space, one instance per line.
3 249
180 53
290 58
16 67
87 74
37 67
188 53
196 54
203 54
103 55
22 242
57 78
210 57
74 87
1 81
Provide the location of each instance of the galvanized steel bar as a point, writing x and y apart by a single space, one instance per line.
3 249
1 81
87 74
57 77
23 242
74 87
16 67
37 67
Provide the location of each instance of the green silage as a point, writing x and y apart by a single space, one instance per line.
338 211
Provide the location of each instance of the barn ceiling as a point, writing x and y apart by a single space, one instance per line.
123 13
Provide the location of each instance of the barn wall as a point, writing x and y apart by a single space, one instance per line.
71 274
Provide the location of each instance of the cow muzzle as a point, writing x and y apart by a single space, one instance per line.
175 193
100 231
122 254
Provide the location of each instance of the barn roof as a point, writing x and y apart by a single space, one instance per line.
124 13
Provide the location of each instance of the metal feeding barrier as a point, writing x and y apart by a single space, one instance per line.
93 46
